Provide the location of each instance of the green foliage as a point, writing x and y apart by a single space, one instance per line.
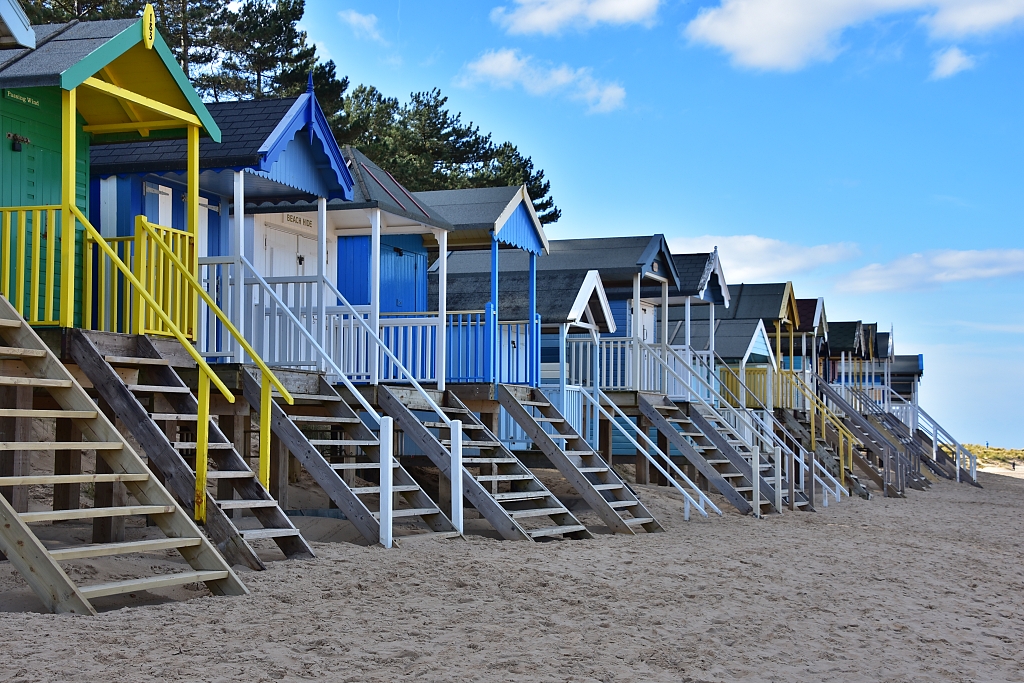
254 49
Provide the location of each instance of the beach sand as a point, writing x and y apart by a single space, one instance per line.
926 588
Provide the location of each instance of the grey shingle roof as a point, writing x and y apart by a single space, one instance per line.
754 301
556 293
58 48
376 188
844 337
469 209
806 308
245 125
694 271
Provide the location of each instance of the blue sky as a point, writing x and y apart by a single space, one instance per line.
869 150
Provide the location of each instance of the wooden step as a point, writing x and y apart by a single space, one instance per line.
135 360
35 382
44 414
467 461
108 549
504 477
158 389
230 474
638 521
536 512
519 495
246 504
473 444
555 530
51 479
100 590
343 442
323 419
409 512
191 446
311 397
60 445
18 352
259 534
7 322
359 465
607 487
595 470
94 513
623 504
174 417
539 404
549 420
442 425
397 488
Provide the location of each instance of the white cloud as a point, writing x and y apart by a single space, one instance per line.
363 25
789 34
751 258
930 269
551 16
508 68
950 62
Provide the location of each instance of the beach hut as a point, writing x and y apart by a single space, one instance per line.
65 88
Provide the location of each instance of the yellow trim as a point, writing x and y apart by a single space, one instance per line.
202 446
69 138
132 126
192 208
151 104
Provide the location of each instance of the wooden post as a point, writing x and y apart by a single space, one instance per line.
605 441
237 248
233 427
642 466
108 529
791 475
279 471
321 272
18 429
456 474
635 360
375 227
67 496
809 483
192 208
69 175
387 435
664 447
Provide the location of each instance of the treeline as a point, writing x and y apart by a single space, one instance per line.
255 49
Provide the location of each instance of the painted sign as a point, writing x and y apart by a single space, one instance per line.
299 220
18 97
148 27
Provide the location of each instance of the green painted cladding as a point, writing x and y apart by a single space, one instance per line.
31 177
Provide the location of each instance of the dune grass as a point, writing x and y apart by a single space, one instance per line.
996 455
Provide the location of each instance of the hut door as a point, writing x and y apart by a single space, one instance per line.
646 320
281 256
306 253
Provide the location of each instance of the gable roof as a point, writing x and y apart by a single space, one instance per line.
376 188
770 302
701 275
481 214
845 337
617 258
562 296
812 315
66 55
15 28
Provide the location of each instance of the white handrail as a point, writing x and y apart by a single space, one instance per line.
937 429
374 335
771 442
310 338
701 496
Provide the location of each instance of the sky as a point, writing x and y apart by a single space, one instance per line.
868 150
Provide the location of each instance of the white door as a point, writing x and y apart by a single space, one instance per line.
281 254
306 256
646 321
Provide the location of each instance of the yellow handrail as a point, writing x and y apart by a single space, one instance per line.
828 416
206 374
268 378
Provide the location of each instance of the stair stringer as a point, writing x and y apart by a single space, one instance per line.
568 466
714 477
177 476
478 497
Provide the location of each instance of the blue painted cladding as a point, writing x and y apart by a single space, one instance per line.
130 203
403 274
298 167
354 269
519 231
620 312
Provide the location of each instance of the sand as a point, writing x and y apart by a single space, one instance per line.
927 588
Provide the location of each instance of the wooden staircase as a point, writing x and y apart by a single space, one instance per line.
823 450
726 462
160 412
35 375
342 455
601 487
503 490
